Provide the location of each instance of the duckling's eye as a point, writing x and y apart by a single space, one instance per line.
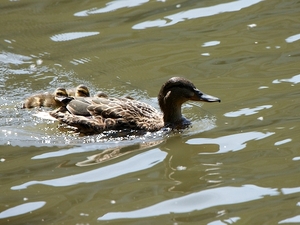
60 93
82 91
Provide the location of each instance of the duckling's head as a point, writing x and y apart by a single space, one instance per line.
82 91
100 94
61 96
60 92
175 92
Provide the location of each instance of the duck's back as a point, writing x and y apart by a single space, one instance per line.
111 114
127 113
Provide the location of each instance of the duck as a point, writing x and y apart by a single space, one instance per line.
96 115
100 94
80 91
53 100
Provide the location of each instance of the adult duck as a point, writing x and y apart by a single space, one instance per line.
95 115
55 99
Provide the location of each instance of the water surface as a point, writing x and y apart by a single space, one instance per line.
238 164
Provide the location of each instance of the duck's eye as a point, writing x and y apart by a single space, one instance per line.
190 93
82 91
60 93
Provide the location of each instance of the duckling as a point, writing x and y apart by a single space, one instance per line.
55 99
95 115
80 91
100 94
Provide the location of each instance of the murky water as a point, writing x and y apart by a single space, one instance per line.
238 164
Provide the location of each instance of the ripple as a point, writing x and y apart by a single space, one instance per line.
21 209
295 80
295 219
150 159
283 141
16 59
72 36
234 142
247 111
293 38
196 13
198 201
211 43
112 6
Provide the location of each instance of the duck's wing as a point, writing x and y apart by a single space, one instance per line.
127 113
120 107
78 107
109 114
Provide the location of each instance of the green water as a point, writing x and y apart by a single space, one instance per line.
238 164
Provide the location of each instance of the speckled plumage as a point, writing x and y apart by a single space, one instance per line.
80 91
46 99
95 115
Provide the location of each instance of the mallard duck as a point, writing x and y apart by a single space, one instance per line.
95 115
80 91
55 99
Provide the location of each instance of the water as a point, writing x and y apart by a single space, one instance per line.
238 164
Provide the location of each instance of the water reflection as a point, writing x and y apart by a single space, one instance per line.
211 43
295 80
16 59
198 201
234 142
72 36
247 111
254 47
112 6
21 209
295 219
293 38
138 162
196 13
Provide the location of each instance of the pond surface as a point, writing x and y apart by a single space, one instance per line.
238 164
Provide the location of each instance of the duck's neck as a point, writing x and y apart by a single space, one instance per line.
172 114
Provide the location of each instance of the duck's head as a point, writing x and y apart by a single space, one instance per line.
82 91
61 96
100 94
60 92
175 92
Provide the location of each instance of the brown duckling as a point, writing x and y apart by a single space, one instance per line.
55 99
80 91
95 115
100 94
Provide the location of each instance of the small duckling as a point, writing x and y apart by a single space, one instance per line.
46 99
100 94
80 91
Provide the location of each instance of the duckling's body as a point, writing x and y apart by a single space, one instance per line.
80 91
46 99
95 115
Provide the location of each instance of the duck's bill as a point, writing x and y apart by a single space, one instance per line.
63 99
209 98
